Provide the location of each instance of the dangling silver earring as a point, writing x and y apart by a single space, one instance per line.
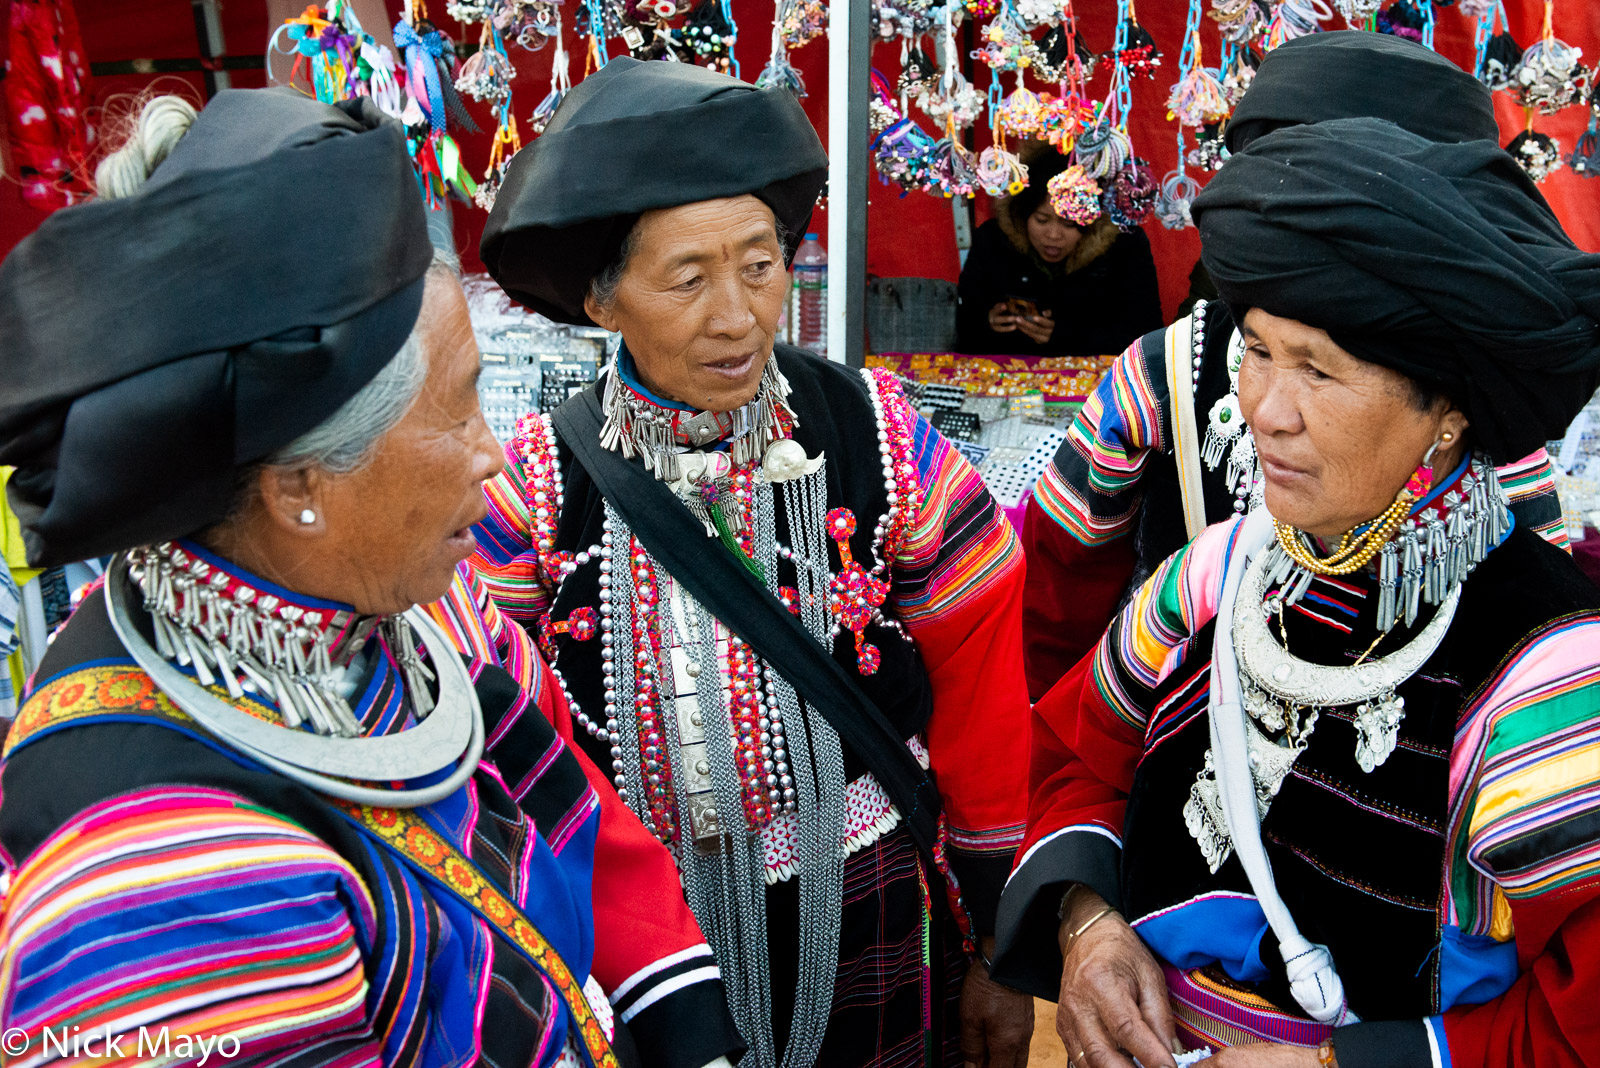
307 517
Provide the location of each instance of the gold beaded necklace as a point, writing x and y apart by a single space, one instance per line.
1356 552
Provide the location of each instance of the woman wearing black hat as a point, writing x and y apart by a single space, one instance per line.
1035 284
1134 481
1328 792
256 804
775 596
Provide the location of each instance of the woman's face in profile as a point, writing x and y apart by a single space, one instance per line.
1051 236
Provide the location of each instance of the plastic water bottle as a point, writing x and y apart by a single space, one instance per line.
811 296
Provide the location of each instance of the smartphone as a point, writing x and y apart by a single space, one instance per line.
1022 306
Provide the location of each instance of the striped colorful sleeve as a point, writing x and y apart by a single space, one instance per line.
1530 483
478 628
1087 737
957 587
505 557
189 910
1091 488
1525 826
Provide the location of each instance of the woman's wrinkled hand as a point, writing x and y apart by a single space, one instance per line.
1037 328
1001 321
996 1021
1113 1003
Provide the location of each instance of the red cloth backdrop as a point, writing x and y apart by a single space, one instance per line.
911 235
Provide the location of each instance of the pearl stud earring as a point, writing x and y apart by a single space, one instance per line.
307 517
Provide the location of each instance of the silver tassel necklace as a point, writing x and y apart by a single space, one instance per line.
636 427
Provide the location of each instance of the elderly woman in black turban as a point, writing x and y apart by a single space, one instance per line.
256 802
1160 450
781 604
1329 787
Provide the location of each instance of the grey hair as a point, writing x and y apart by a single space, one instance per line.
161 124
345 440
603 287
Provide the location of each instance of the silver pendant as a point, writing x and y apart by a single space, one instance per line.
1377 724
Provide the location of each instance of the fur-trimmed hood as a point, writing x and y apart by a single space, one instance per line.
1097 239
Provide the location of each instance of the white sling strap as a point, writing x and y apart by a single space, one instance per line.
1312 978
1185 432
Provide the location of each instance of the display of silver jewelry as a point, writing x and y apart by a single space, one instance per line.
1284 696
637 428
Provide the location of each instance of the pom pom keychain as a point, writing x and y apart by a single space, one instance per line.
1075 196
1536 153
1501 56
1132 197
1140 54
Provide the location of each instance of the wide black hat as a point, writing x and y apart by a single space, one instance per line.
152 345
632 137
1353 74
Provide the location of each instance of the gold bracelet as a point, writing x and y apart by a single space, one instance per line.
1072 939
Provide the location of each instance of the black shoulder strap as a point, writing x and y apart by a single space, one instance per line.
736 597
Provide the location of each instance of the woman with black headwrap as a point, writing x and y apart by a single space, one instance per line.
258 805
776 596
1036 284
1328 793
1159 450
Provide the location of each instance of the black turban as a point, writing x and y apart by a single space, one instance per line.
1353 74
632 137
1436 260
153 345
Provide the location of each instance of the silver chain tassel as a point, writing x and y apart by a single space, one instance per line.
726 888
249 640
637 428
1430 555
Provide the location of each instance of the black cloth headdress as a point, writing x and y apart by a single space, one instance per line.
151 346
632 137
1437 260
1353 74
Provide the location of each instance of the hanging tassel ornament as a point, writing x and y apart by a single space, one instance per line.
1501 57
1139 54
1075 195
1132 197
1296 18
1536 153
1585 159
1177 193
804 21
1199 98
1000 172
1551 74
486 75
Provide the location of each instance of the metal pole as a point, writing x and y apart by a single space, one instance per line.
849 58
208 30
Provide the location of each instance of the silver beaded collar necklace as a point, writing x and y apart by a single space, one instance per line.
635 426
192 620
228 631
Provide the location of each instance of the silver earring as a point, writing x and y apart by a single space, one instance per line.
307 517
